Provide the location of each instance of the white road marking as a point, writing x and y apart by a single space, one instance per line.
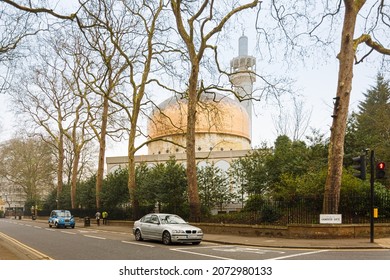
96 237
37 227
251 250
137 243
50 229
68 232
182 250
84 231
298 255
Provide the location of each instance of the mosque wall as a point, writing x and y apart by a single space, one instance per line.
205 142
217 157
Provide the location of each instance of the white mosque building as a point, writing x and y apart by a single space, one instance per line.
223 126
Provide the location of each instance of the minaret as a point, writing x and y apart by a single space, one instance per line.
243 69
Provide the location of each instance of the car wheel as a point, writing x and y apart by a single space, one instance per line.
196 243
166 238
56 225
73 226
138 235
50 225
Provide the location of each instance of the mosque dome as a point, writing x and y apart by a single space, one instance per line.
222 124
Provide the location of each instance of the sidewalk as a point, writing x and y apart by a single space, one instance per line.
352 243
10 251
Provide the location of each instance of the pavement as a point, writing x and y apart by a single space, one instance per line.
11 249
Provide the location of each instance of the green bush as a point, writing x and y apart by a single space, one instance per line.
254 203
269 214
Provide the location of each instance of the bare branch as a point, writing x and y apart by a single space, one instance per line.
366 38
38 10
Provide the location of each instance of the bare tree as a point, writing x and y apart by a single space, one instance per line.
292 123
28 164
347 56
105 71
41 93
19 21
197 23
124 34
306 24
15 27
52 95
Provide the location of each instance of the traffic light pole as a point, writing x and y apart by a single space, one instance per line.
372 181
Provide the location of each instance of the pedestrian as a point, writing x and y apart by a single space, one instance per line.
105 216
97 216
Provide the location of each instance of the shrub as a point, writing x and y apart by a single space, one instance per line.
269 214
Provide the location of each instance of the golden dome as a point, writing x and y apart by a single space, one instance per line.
216 115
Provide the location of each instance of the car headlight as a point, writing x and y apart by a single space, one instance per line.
199 231
178 231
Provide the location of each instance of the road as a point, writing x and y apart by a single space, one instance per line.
95 244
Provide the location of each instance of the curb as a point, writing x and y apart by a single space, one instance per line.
316 247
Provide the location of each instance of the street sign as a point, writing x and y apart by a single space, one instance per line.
330 218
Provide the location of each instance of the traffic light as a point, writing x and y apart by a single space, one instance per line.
360 165
380 170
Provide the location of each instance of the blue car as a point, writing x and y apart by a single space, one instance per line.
61 218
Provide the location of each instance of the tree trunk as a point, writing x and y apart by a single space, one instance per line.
131 184
75 168
193 194
60 169
102 150
340 113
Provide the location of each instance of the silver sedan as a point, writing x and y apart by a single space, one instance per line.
168 228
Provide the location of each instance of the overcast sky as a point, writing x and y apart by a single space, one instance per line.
316 84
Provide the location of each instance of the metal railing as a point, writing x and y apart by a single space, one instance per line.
354 210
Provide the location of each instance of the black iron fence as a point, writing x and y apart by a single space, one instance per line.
354 210
306 210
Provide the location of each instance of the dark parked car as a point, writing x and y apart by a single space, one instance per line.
61 218
167 228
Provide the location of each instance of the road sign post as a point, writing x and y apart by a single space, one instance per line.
372 181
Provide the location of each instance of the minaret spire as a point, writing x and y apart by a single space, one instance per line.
243 75
243 45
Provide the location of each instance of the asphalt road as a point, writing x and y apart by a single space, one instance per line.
97 244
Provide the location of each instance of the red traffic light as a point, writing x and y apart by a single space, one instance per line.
380 170
381 165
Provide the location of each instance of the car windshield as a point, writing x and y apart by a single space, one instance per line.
172 219
65 214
